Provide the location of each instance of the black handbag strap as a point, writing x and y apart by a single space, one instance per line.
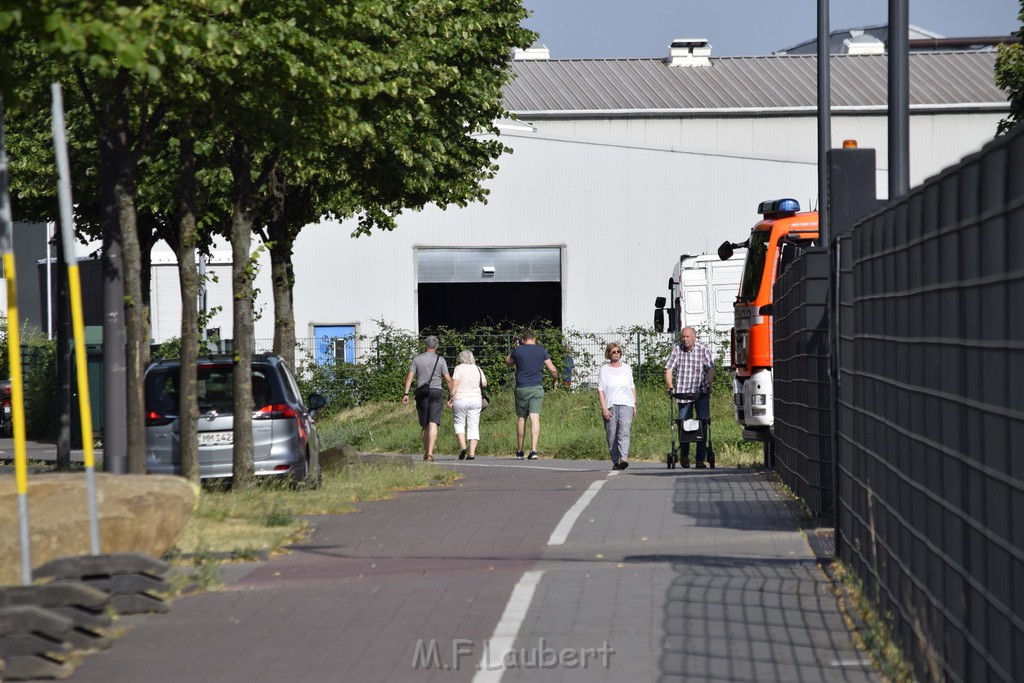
431 378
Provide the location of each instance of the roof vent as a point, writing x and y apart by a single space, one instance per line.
535 51
860 43
689 52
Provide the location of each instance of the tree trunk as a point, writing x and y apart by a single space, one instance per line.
112 152
188 274
242 273
283 278
148 236
136 329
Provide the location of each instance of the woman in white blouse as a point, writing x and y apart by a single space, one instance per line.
466 404
617 393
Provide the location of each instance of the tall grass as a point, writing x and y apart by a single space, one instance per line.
571 428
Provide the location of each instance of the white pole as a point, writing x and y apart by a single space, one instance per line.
74 288
14 347
50 228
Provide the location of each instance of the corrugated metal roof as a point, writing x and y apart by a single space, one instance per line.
744 85
837 39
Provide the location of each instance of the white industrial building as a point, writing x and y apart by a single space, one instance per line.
620 166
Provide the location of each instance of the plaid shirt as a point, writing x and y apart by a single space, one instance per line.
689 368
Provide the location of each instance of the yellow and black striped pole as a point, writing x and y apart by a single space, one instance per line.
67 223
14 358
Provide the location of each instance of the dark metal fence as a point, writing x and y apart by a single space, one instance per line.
929 363
932 493
803 433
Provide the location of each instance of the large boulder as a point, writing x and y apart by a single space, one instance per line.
338 458
137 513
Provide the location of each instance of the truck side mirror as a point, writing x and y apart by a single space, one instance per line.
725 251
659 314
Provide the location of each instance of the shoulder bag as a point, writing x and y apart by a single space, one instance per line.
485 399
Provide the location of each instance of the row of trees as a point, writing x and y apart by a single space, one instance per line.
192 119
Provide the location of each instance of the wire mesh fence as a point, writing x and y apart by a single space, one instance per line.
358 368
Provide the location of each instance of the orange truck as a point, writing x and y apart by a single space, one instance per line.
781 234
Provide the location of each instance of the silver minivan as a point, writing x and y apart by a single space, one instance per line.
284 436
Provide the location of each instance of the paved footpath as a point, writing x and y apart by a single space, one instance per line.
522 571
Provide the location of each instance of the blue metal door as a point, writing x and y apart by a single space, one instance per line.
335 343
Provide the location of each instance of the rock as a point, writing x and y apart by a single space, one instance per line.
137 513
338 457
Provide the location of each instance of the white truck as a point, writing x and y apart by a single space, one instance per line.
702 295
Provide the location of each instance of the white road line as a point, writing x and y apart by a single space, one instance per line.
491 666
561 532
520 466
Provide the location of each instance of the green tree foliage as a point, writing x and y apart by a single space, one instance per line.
420 89
1010 76
191 116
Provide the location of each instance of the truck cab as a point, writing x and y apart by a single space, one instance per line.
782 233
701 293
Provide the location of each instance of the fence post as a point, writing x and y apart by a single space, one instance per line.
639 359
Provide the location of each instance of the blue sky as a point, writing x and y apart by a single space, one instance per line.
644 28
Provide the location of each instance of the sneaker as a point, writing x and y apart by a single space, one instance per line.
623 464
470 457
462 454
701 466
532 456
519 455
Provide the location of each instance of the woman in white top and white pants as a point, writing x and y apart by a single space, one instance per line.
466 402
617 392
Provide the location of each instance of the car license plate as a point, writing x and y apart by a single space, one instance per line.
215 438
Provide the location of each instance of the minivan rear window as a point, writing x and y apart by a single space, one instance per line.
214 389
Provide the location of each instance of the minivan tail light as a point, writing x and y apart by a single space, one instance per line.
155 419
277 411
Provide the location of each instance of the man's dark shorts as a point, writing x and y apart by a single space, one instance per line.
429 409
529 400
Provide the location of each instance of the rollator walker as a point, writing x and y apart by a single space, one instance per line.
687 431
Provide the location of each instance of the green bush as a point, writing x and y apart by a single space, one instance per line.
38 381
380 372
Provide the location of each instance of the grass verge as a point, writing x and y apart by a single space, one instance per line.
254 524
571 428
876 630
